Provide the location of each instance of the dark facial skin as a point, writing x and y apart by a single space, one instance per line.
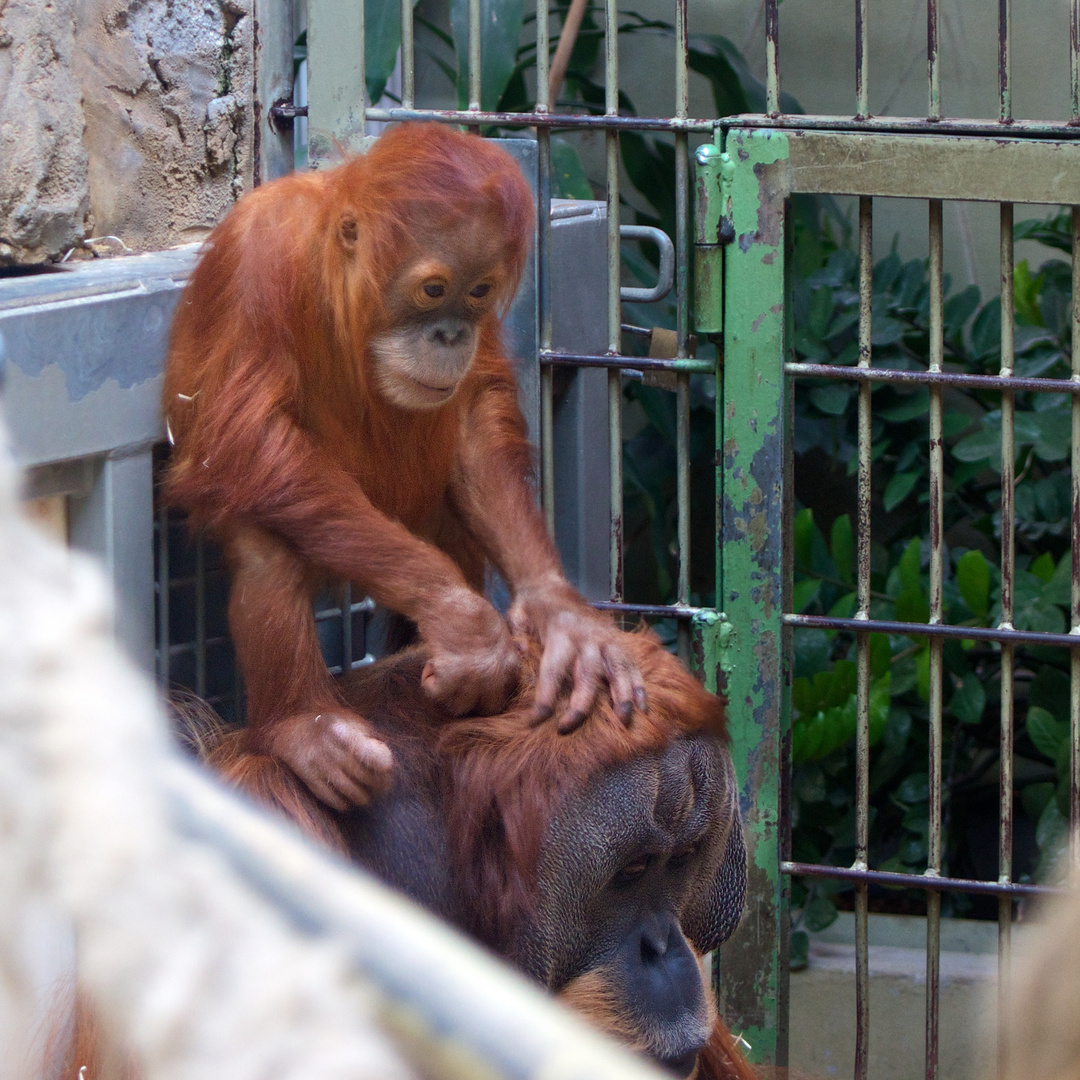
640 874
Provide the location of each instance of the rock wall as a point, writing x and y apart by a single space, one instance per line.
130 118
44 189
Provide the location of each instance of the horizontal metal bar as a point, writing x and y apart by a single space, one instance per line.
633 363
652 611
906 125
325 614
918 881
933 378
554 121
938 630
187 648
1018 129
942 166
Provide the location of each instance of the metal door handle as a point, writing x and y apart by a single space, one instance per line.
666 273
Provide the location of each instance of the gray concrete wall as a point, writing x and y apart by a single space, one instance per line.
823 1000
130 118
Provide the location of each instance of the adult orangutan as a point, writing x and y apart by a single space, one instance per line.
340 407
604 864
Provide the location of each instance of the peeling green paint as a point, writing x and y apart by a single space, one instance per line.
750 575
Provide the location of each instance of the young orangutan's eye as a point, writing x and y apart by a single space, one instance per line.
434 290
480 291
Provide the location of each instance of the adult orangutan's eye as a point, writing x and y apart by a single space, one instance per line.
434 290
631 872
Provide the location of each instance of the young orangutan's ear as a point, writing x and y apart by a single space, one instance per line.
348 230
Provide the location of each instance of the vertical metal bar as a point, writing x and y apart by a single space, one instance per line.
543 249
474 55
862 59
933 73
937 479
753 513
346 629
1008 650
273 57
1074 54
1074 703
772 57
862 730
200 616
337 79
163 595
682 319
1005 113
408 56
611 65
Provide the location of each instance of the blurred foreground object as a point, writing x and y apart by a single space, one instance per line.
210 941
1040 1032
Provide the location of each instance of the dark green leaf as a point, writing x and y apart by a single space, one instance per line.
1054 439
568 178
914 788
809 783
805 593
986 331
819 914
982 445
843 548
886 331
1035 797
831 399
968 700
382 39
958 309
500 31
898 489
1043 567
1052 827
1058 590
910 565
973 580
811 648
1046 733
910 407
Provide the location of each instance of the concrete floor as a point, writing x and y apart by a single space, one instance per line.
823 1001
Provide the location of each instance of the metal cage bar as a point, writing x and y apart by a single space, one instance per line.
937 482
862 59
614 306
1008 565
682 320
1074 620
933 67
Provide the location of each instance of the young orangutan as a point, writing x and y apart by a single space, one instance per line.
341 407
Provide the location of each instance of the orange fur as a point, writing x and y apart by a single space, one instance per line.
290 449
